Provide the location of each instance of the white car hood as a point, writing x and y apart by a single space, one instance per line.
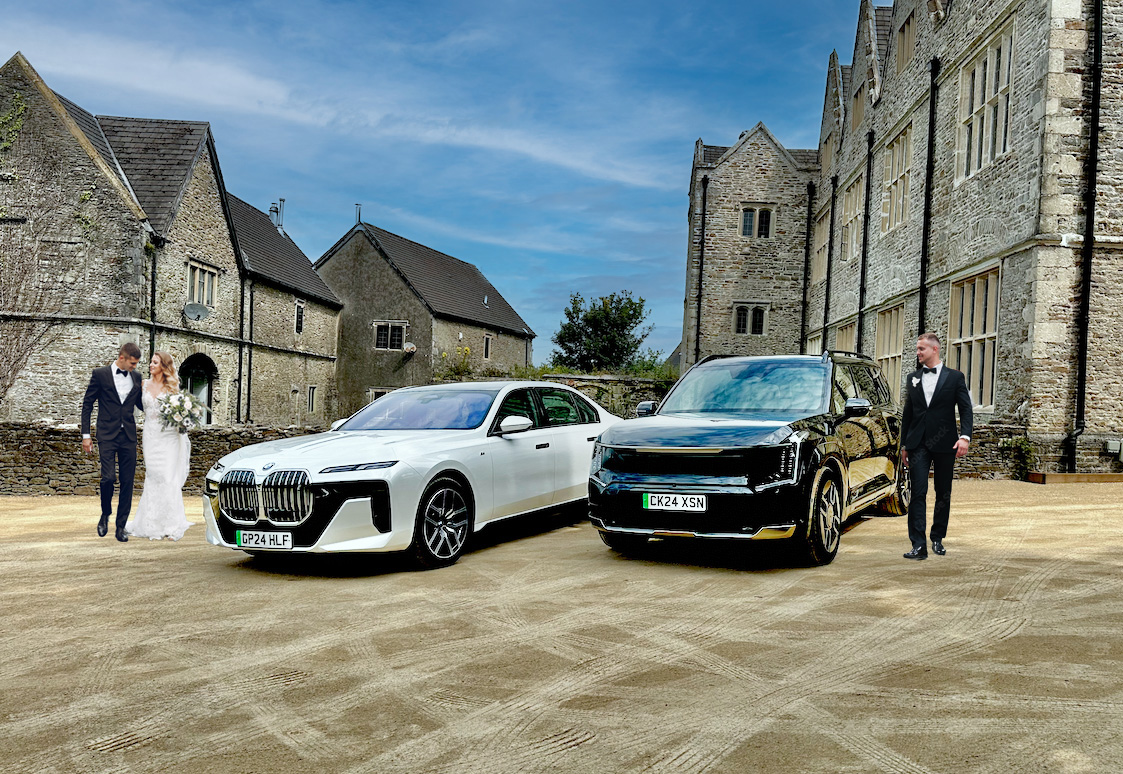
351 447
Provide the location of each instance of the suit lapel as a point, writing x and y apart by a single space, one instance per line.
940 381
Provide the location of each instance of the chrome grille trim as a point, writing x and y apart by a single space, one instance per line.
237 497
286 497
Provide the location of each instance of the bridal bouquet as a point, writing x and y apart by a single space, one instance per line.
180 411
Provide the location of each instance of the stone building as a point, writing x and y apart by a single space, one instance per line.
120 229
412 314
958 188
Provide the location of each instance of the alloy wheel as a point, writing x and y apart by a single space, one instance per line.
445 526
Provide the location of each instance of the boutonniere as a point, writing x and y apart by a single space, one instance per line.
915 381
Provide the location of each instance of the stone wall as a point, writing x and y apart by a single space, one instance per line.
48 459
462 344
737 269
618 394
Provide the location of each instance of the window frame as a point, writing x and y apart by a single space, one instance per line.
889 347
757 221
298 321
196 271
906 42
750 310
985 97
311 399
390 325
858 107
821 246
853 211
851 329
981 367
818 348
489 341
897 173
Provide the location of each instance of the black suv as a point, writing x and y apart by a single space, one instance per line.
753 448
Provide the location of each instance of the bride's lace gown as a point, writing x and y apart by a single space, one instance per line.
167 454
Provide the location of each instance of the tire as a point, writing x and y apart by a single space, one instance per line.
824 520
442 526
623 543
897 504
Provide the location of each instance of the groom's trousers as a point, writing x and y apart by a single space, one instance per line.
117 456
942 465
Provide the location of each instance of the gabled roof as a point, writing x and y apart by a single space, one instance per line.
157 157
92 129
273 256
805 159
448 286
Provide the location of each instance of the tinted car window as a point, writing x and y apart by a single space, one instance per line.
424 410
588 413
759 385
560 409
870 386
518 404
844 388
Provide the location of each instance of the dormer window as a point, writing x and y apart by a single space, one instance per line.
756 221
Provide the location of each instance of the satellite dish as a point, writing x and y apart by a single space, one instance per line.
194 311
409 347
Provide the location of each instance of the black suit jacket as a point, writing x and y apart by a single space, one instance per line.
113 416
933 425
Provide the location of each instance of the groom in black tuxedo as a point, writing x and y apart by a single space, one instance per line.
116 389
930 440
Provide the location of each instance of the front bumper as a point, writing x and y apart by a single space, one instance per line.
346 523
732 513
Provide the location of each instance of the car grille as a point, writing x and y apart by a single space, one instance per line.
760 466
287 497
237 496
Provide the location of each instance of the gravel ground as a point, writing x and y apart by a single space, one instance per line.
544 651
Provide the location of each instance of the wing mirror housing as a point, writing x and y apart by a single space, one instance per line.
514 424
857 407
335 425
646 408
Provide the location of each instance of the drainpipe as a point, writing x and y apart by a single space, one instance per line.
241 345
249 358
806 264
1091 177
152 303
865 241
929 170
830 260
701 266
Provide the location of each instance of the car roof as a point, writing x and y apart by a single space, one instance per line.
497 384
834 355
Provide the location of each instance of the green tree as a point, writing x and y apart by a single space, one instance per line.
605 335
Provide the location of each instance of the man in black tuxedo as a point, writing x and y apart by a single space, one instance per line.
929 439
117 391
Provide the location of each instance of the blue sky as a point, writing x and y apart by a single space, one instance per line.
550 144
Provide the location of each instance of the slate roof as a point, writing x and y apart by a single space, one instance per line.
92 129
157 157
883 22
805 159
451 287
845 85
273 256
711 153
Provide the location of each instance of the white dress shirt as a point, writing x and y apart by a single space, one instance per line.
928 383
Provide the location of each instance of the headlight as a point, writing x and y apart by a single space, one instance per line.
210 488
773 465
598 458
362 466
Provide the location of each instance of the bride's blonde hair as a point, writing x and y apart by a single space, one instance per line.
167 369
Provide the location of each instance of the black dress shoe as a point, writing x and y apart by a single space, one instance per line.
917 553
103 526
938 547
122 536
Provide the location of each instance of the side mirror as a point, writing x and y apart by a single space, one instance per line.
514 424
857 407
335 425
645 408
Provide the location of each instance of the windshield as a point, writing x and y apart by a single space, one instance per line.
424 410
753 386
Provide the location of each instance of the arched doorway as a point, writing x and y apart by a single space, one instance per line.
196 376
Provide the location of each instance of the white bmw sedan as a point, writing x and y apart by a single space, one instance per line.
417 470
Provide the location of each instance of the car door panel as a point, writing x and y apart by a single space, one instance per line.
522 463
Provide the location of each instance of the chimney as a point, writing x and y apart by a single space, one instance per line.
281 218
358 214
274 213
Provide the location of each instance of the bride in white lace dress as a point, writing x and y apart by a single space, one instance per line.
167 455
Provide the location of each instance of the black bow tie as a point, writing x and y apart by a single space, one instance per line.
927 370
123 373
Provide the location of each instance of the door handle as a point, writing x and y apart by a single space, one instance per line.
591 438
542 446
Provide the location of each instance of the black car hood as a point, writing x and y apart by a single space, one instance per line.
704 430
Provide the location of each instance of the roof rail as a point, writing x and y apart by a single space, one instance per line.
708 358
846 352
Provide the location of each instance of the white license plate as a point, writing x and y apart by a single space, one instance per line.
270 541
674 502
